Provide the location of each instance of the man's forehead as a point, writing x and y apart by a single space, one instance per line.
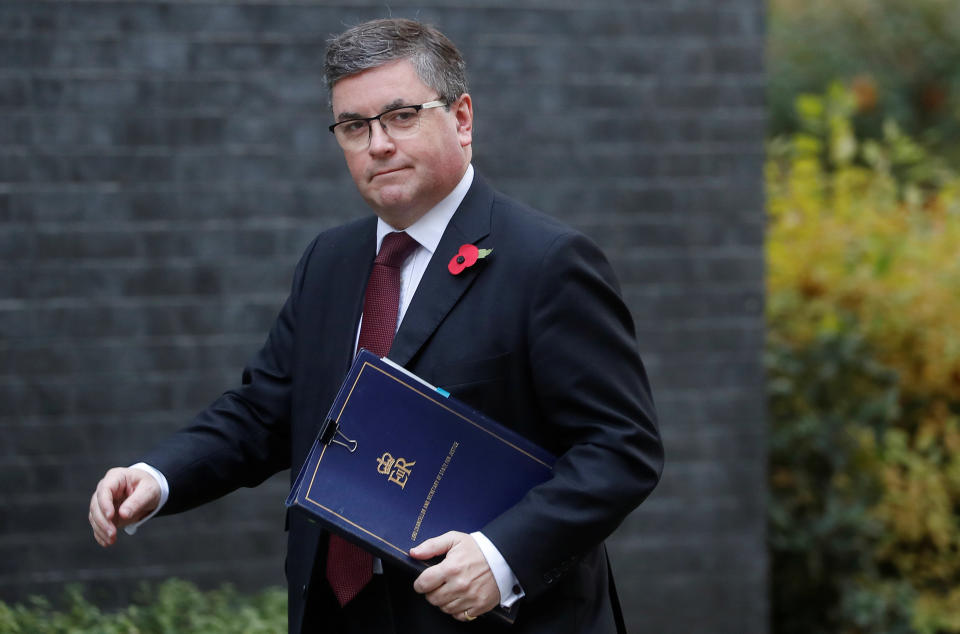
374 90
396 103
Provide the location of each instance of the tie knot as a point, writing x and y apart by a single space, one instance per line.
395 249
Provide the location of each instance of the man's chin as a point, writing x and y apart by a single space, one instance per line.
392 198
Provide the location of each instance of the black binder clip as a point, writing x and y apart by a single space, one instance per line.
330 433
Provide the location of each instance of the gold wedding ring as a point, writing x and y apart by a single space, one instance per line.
466 615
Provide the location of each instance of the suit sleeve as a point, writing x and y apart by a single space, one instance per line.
243 437
594 396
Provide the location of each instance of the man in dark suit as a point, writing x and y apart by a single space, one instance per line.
534 334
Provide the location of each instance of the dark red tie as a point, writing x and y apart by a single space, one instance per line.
350 568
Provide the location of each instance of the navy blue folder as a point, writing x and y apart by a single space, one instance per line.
398 461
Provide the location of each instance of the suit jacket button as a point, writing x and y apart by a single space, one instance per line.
303 591
548 578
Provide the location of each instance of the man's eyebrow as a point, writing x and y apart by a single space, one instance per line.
396 103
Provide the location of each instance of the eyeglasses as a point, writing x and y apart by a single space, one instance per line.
400 122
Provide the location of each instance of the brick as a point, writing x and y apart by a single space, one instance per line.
127 357
719 604
169 317
690 412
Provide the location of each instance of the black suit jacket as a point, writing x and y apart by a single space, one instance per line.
535 335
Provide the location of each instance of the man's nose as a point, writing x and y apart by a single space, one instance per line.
380 141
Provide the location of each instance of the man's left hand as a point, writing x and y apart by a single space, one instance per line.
462 585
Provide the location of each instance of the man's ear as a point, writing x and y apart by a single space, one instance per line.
463 112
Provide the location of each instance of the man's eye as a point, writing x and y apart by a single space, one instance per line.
354 127
402 118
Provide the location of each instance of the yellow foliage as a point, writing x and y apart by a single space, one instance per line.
868 234
849 240
938 612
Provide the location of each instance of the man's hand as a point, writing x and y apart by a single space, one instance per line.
123 497
461 585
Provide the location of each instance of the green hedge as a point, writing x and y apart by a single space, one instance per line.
830 405
172 607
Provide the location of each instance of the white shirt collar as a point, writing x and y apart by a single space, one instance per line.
430 227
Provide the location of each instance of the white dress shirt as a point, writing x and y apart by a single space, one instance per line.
427 231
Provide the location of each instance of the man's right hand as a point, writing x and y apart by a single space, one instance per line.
124 496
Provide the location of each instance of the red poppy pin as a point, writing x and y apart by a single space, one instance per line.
466 257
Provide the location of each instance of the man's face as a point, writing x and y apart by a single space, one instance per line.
401 179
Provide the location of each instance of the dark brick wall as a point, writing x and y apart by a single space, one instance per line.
162 164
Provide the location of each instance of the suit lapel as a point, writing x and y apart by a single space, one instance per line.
439 290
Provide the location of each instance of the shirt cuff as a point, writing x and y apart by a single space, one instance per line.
164 494
507 582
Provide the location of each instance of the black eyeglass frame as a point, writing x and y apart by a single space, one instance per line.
436 103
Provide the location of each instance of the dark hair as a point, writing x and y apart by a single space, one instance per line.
436 60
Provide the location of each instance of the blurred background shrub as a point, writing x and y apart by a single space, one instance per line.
901 57
863 363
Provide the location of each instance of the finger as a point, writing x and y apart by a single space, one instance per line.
143 499
429 580
461 611
435 546
434 576
110 491
101 507
444 596
443 584
455 606
101 526
456 585
458 607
